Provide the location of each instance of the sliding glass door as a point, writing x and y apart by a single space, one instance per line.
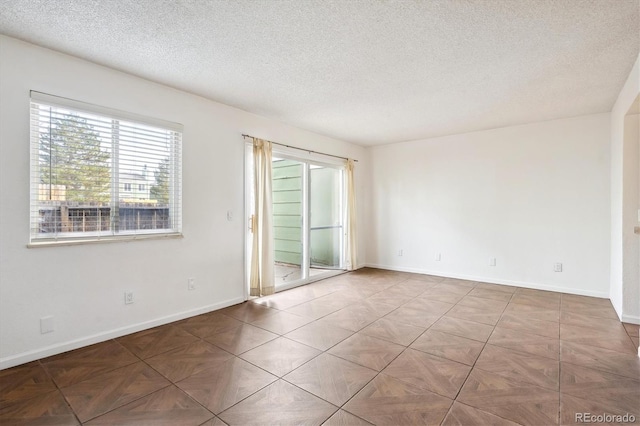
308 219
289 181
326 207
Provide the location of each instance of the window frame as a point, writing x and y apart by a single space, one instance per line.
113 235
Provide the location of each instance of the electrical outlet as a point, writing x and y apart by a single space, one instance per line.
492 261
46 325
400 252
128 297
557 267
438 257
191 284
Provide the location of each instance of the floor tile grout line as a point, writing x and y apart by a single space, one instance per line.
448 412
172 324
481 351
130 402
272 373
603 371
138 359
59 390
479 409
474 366
381 371
170 383
101 374
282 377
405 347
253 393
284 335
194 400
243 352
248 396
377 372
559 413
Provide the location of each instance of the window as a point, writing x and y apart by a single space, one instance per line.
86 160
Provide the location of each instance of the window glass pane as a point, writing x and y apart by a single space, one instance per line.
326 211
96 175
144 158
74 188
287 218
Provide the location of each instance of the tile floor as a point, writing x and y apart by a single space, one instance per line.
368 347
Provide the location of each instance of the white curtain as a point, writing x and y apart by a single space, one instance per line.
351 218
262 282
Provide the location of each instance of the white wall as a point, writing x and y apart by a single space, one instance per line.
624 280
83 286
528 195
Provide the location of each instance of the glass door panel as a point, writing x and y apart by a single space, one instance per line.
288 208
326 234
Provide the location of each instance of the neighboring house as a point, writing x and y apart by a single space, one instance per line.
135 186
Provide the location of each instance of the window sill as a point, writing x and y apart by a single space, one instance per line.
113 239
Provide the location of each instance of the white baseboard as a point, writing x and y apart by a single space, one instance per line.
535 286
631 319
58 348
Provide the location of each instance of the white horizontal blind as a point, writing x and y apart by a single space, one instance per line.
97 173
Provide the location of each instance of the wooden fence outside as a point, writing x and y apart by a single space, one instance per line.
66 216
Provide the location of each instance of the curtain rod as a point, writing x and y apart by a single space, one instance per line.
301 149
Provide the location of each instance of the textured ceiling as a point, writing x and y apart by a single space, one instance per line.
369 72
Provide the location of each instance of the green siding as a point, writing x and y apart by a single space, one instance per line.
293 184
290 234
287 211
285 168
286 196
287 257
287 221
